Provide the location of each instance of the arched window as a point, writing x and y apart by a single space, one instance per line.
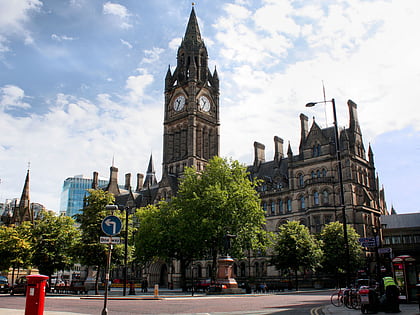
318 173
312 174
301 180
280 206
289 205
302 202
264 205
316 198
324 172
325 197
316 151
273 208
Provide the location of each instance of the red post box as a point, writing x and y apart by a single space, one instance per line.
35 294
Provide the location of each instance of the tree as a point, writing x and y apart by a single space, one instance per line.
90 251
15 247
55 238
296 248
334 260
210 204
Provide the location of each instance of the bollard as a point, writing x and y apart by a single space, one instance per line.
35 294
156 291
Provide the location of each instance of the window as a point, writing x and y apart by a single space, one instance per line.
316 150
318 173
264 205
324 172
280 206
316 198
302 202
273 208
289 205
325 197
301 180
312 174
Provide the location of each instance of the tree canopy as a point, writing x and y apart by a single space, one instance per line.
210 204
91 252
55 239
334 259
296 248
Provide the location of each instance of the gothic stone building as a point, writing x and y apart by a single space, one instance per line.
302 186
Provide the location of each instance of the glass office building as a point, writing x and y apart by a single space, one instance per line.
74 190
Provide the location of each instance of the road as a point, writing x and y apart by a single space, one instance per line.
283 304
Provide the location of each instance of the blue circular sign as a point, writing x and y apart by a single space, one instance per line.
111 225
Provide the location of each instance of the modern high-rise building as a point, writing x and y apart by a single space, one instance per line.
74 190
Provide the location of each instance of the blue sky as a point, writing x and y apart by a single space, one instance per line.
81 82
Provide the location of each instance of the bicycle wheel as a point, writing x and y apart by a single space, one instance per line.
355 302
336 299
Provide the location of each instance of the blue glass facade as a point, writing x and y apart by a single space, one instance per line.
74 190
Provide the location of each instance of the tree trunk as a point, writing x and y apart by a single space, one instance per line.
183 270
296 279
214 266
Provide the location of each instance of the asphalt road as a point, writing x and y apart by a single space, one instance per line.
283 303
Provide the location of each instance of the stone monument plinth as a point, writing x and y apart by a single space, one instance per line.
225 275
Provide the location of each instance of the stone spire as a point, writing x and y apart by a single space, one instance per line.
24 212
150 179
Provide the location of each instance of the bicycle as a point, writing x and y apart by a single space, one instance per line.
337 298
351 298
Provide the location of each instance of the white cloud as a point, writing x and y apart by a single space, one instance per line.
119 11
152 55
125 43
13 18
136 85
12 96
60 38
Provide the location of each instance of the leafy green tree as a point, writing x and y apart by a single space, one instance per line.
90 251
334 259
210 204
15 247
296 249
55 238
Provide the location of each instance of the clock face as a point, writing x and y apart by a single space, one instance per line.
179 103
204 103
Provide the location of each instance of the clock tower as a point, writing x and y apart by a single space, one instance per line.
191 123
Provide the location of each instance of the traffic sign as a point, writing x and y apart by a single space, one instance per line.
110 240
369 241
111 225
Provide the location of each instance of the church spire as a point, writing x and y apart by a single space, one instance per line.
23 212
150 179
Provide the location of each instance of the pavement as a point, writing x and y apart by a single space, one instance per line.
406 309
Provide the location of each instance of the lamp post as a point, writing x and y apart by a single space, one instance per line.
340 179
128 211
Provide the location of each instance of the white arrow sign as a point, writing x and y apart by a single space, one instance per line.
110 222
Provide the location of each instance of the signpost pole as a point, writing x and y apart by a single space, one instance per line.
108 263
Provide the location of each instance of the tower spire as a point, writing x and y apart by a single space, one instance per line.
23 212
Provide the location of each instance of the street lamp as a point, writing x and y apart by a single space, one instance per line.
128 210
340 179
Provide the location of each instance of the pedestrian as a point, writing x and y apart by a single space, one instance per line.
390 299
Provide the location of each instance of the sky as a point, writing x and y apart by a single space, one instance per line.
82 83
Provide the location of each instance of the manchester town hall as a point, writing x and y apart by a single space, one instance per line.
301 186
